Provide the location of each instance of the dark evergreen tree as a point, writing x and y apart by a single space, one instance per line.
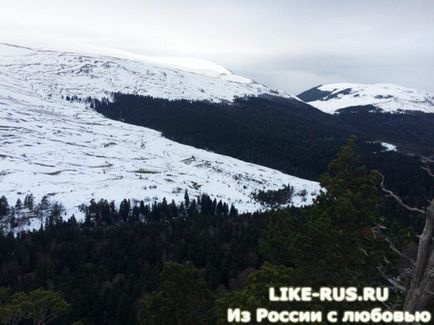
29 201
339 233
18 205
186 199
4 206
182 298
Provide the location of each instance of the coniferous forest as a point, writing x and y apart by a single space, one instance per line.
168 263
289 135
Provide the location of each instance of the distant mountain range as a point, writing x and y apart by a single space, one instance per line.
332 98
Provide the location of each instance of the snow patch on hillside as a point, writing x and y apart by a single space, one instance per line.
388 146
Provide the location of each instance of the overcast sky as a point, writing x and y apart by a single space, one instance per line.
289 45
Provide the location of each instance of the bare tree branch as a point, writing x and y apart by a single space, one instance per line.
387 306
428 170
391 280
397 251
426 166
397 198
420 291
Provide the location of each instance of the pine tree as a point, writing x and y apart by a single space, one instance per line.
186 199
124 210
335 241
29 201
4 206
255 294
182 298
332 243
233 212
18 205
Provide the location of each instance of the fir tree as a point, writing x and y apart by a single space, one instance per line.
182 298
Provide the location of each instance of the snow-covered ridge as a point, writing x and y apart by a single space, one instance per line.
51 146
387 97
53 74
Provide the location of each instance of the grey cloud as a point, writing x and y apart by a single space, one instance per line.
288 44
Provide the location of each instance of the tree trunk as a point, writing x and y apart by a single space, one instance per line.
421 289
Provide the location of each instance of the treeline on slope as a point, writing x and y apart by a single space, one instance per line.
273 132
276 198
19 215
411 132
186 263
280 133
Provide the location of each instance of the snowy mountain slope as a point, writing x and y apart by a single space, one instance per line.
54 74
387 97
51 146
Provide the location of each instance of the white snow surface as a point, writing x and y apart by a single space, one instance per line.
50 146
52 74
388 146
388 97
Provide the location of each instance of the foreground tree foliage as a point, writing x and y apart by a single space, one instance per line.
182 298
39 306
255 294
187 263
336 242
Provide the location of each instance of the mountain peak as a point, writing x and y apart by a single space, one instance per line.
386 96
62 73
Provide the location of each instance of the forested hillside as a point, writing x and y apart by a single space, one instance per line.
269 131
412 132
288 135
